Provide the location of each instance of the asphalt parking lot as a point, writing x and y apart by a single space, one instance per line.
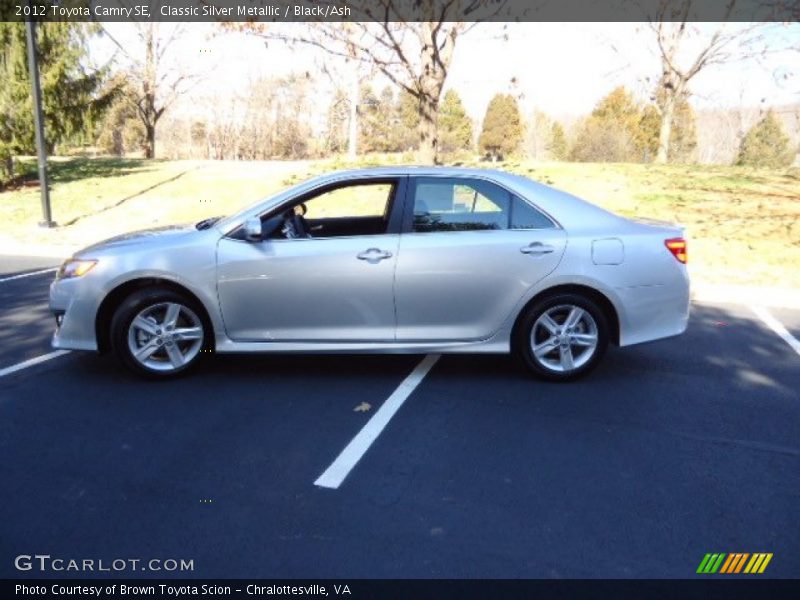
666 452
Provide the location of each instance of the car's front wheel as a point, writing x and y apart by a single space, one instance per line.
158 333
562 337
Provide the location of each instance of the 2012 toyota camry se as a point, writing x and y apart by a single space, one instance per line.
406 259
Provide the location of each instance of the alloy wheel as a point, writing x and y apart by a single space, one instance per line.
165 336
564 338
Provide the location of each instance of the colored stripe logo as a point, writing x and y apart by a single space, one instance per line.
736 562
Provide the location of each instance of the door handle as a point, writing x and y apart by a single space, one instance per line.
373 255
537 249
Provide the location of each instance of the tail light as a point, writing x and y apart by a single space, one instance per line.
678 248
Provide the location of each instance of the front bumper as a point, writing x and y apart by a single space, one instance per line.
76 313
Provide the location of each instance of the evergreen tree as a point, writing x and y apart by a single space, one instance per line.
502 127
70 102
455 126
376 120
612 133
683 133
337 123
766 145
557 147
405 133
618 107
650 125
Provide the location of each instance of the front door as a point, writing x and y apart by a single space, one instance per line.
332 282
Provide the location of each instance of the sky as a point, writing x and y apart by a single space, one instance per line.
562 69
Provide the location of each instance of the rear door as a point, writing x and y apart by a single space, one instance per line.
469 251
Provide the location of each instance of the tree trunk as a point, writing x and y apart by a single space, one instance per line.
9 167
665 133
149 112
428 132
150 143
352 134
433 72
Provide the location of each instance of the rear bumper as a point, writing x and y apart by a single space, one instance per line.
652 312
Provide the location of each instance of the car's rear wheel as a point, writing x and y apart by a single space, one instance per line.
158 333
562 337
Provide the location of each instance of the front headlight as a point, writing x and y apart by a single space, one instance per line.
75 267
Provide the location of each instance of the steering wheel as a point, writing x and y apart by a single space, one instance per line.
294 225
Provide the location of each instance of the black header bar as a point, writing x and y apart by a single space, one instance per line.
276 11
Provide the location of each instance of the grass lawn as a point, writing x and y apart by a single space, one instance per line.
743 224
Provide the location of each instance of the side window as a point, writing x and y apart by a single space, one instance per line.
349 210
442 204
364 200
471 205
524 216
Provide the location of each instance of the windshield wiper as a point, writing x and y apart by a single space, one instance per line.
206 223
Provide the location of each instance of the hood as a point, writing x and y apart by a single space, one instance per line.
157 235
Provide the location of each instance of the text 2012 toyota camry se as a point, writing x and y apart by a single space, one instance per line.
407 259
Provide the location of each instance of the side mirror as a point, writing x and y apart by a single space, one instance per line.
252 229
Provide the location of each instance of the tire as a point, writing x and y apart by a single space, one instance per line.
159 333
564 351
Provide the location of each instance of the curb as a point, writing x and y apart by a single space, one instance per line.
773 297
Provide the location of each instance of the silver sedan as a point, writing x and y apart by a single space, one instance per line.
406 259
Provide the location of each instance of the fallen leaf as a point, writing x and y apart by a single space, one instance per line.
363 407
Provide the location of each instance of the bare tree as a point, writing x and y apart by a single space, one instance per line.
685 51
415 56
157 82
352 72
538 132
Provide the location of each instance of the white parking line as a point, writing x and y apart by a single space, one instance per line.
4 279
335 474
777 327
31 362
